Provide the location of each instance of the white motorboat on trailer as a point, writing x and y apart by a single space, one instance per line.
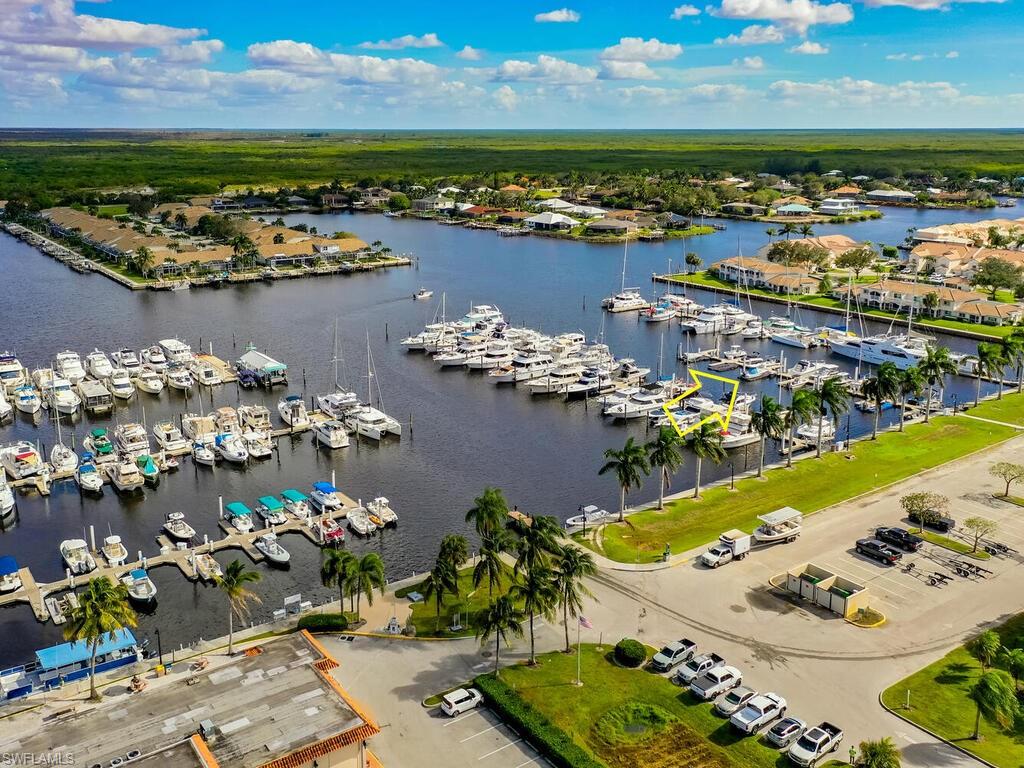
783 524
177 528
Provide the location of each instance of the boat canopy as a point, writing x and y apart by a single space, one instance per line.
324 487
79 651
8 565
99 432
293 398
238 508
139 574
271 502
781 516
293 495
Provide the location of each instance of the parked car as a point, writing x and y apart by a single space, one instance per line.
941 523
786 731
899 538
697 666
715 681
672 655
814 744
758 712
460 700
734 700
878 550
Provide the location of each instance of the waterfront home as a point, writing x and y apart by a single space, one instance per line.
794 209
375 197
834 245
586 211
611 227
305 252
968 233
793 282
888 196
547 222
433 203
555 204
478 211
512 189
744 209
219 258
191 213
951 303
849 191
760 273
513 217
221 204
334 200
838 206
115 239
791 199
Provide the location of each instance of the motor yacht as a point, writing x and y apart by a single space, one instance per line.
203 454
325 497
59 394
199 427
12 372
176 351
496 353
231 448
259 444
141 588
649 398
77 556
169 437
523 367
7 502
177 528
809 431
337 403
711 319
149 382
296 503
485 314
68 365
87 477
331 434
467 349
755 330
204 373
26 399
380 508
255 418
627 299
902 351
131 438
271 548
271 509
240 516
593 381
120 384
154 358
226 420
114 551
97 364
557 381
124 475
6 409
128 360
372 423
98 443
359 521
177 377
22 460
292 411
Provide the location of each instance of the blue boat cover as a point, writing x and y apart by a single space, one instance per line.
238 508
66 654
271 502
8 565
293 495
324 487
293 398
139 573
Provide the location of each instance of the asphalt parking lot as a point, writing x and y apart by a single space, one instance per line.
479 737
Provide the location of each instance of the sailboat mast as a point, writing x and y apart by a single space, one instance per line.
625 251
335 355
369 374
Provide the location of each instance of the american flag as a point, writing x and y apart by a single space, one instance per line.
585 622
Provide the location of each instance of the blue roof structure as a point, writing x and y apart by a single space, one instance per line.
293 495
271 502
324 487
238 508
8 565
65 654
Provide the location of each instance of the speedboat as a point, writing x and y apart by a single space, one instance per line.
239 515
68 365
624 301
150 471
131 438
422 293
331 433
523 367
87 476
259 444
77 556
178 377
658 313
372 423
272 549
149 382
10 578
176 351
207 567
231 448
292 411
154 358
98 444
63 459
26 399
124 474
12 372
7 503
809 431
120 384
588 515
380 508
169 437
255 417
205 374
271 509
128 360
295 503
141 588
325 497
330 531
199 427
22 460
337 403
114 551
176 527
203 454
98 364
359 521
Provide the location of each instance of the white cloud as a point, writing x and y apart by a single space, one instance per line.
682 11
548 69
196 52
905 57
469 53
561 16
749 62
506 98
797 15
809 48
923 5
667 97
304 58
638 49
429 40
755 34
626 70
848 90
953 55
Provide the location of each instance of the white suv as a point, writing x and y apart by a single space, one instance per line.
460 700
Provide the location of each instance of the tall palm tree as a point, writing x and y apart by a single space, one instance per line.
830 394
240 597
1013 351
879 754
706 443
536 542
806 230
935 366
803 405
788 229
336 571
911 383
102 610
664 453
995 696
571 567
537 592
440 580
884 385
990 366
768 423
629 465
502 621
454 551
985 648
489 564
489 512
771 232
367 574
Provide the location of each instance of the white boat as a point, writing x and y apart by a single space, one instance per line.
902 351
125 475
337 403
380 508
422 293
6 409
226 420
176 351
659 313
755 330
131 438
63 459
795 338
557 381
169 437
68 365
141 588
128 360
98 443
737 438
331 434
255 418
154 358
593 381
496 354
272 510
682 304
325 497
359 521
199 427
26 399
809 431
204 373
637 406
626 300
372 423
98 364
114 551
295 503
271 549
588 515
177 528
207 567
22 460
481 314
120 384
77 556
471 347
259 444
10 577
240 516
231 448
524 367
58 393
203 454
149 382
177 377
783 524
12 372
7 502
292 411
88 477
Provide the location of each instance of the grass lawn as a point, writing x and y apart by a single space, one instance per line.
809 486
954 545
470 602
125 272
939 702
688 232
113 210
1009 410
629 717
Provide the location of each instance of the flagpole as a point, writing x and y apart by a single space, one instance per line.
578 625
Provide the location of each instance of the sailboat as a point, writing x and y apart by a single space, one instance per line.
341 400
365 419
626 299
62 458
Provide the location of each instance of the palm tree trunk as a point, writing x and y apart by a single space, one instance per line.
760 460
359 599
565 617
789 453
903 411
622 502
533 659
696 487
497 653
231 631
874 429
341 596
1020 377
661 490
92 669
928 405
977 724
821 429
977 391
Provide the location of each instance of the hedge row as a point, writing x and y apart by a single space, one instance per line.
324 622
552 741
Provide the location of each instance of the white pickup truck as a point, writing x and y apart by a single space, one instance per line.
759 711
732 545
715 682
697 666
815 744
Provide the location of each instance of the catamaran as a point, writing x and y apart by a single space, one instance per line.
365 419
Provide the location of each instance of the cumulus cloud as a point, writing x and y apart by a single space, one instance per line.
638 49
905 57
469 53
304 58
797 15
560 16
506 98
848 90
548 69
755 34
196 52
429 40
749 62
923 5
682 11
809 48
626 70
666 97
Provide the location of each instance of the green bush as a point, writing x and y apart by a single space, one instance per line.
552 741
630 653
324 622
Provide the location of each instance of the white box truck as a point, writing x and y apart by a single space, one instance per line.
732 545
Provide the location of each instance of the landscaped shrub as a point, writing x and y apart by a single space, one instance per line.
552 741
630 653
324 622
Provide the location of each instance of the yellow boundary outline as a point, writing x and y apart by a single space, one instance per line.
697 377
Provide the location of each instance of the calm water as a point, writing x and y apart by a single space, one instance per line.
465 433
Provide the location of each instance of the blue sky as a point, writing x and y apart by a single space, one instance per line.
563 64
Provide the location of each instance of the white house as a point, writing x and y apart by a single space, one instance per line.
550 221
891 196
450 190
555 204
838 206
433 203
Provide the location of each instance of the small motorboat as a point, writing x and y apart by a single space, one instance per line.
176 527
359 521
259 445
141 588
272 549
7 503
271 510
150 382
809 431
380 508
149 470
295 503
422 293
77 556
325 497
97 442
114 551
331 434
292 410
10 579
87 476
239 515
203 454
207 567
330 531
231 448
588 515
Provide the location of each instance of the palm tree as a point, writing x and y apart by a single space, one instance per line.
629 465
502 620
489 512
879 754
1013 351
143 259
934 366
103 610
995 696
240 597
454 551
1013 660
788 229
536 542
985 648
180 220
830 394
884 385
538 595
489 564
931 302
990 366
663 452
801 408
768 423
771 232
440 580
911 383
706 443
367 574
336 571
571 567
806 230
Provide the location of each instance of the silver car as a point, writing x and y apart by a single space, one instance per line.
786 731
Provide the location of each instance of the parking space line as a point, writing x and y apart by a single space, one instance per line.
464 716
479 733
495 751
531 760
883 576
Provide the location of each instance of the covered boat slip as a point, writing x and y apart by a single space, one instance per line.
271 503
294 496
237 509
267 370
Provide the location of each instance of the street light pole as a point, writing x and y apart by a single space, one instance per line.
159 646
